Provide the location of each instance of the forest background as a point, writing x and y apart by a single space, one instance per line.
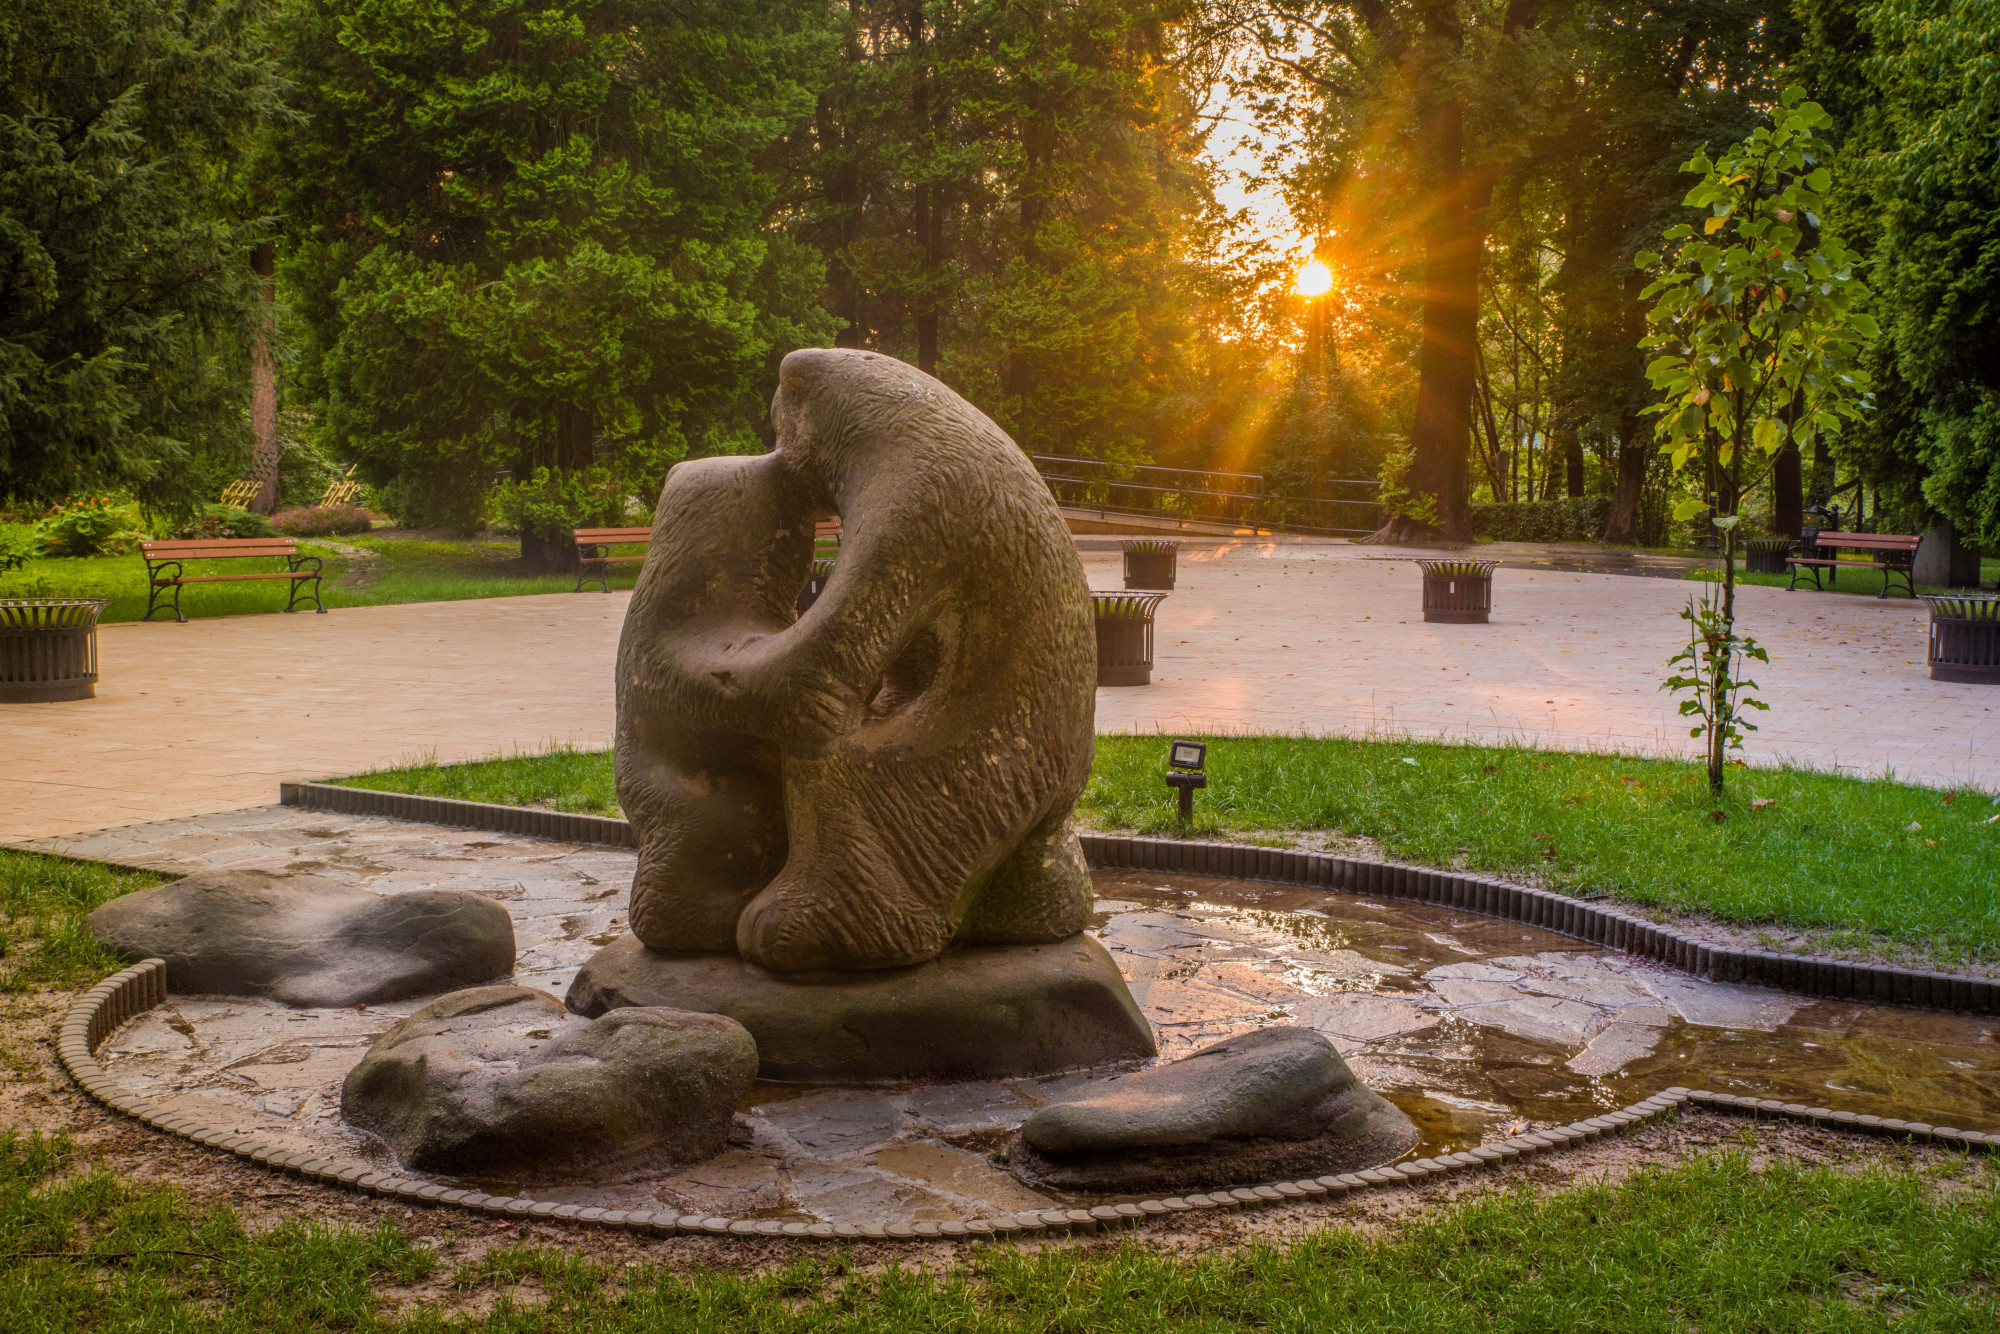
513 258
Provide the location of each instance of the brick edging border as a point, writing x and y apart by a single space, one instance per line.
1805 975
121 997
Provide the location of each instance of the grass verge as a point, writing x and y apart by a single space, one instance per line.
43 901
1711 1244
1848 858
400 570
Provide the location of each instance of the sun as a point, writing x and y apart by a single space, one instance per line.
1315 279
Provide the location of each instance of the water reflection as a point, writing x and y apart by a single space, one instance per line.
1474 1026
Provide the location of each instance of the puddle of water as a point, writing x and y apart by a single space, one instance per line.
1477 1028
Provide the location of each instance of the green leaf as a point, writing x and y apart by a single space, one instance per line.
1686 508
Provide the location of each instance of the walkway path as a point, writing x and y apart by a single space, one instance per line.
1286 637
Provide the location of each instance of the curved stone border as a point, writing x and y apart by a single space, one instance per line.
117 999
1834 979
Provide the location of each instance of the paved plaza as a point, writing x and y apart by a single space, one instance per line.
1260 636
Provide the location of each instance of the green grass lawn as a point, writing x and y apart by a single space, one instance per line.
1852 860
43 901
1863 578
410 570
1712 1244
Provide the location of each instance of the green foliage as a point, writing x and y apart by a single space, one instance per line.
124 273
1711 673
539 237
557 502
92 526
1758 324
1936 71
1397 497
1564 520
225 521
19 542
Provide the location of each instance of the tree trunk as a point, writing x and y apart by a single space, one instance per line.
574 448
1820 488
843 193
923 204
264 383
1635 455
1441 430
1572 460
1787 492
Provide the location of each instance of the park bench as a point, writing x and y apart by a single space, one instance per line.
593 549
166 567
593 552
1893 554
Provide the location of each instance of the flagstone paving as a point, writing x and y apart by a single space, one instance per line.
1477 1027
1260 636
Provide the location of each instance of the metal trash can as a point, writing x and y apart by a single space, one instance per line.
1458 592
1965 639
815 584
1125 637
48 649
1151 563
1766 555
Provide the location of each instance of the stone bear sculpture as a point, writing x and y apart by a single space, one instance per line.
893 772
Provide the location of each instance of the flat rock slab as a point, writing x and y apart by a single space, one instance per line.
505 1081
1270 1104
308 941
978 1013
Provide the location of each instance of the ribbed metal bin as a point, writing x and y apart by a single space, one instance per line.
1125 637
1766 555
1150 563
1458 592
48 649
1965 640
816 584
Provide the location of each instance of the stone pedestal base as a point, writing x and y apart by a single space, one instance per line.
982 1013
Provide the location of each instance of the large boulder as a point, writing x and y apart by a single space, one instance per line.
505 1083
971 1014
306 940
1262 1106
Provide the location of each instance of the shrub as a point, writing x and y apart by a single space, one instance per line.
1579 519
322 520
93 526
225 521
19 540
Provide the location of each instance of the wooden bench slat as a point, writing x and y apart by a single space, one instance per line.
1870 541
213 551
231 578
611 534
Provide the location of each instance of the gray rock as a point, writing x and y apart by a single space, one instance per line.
1262 1106
971 1014
505 1083
308 941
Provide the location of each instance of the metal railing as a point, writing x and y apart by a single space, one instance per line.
1191 495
